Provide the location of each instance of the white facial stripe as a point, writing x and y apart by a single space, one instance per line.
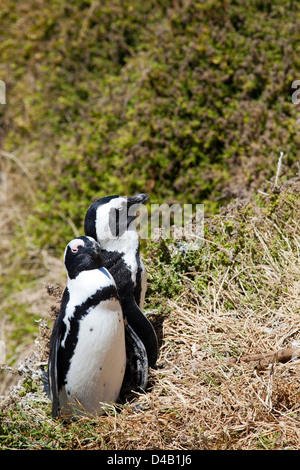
117 203
91 238
103 219
74 244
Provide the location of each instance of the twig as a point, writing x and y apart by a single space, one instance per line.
264 359
18 162
22 167
278 168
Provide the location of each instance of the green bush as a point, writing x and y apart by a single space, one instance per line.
187 102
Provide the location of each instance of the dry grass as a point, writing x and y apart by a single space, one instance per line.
21 259
197 400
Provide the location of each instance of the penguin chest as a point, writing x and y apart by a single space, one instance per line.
98 364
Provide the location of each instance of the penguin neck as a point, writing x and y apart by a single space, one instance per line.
127 243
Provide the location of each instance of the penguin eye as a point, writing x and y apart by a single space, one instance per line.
75 246
75 249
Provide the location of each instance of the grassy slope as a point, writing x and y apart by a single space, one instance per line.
238 294
191 103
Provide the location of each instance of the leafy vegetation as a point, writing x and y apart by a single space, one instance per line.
187 101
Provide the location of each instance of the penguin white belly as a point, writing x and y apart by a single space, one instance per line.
98 365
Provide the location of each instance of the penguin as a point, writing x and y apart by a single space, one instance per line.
87 355
108 220
113 237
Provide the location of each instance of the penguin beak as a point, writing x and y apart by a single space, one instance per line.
138 199
96 250
97 255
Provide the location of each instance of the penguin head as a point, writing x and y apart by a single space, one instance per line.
82 254
109 217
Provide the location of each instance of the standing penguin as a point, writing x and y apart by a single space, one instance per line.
108 220
87 357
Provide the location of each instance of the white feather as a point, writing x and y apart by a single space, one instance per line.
80 289
98 365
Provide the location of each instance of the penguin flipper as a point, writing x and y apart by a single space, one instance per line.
136 374
46 384
52 378
55 342
144 329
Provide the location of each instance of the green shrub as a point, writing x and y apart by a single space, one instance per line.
189 103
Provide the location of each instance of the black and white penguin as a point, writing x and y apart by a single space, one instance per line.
87 357
109 220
